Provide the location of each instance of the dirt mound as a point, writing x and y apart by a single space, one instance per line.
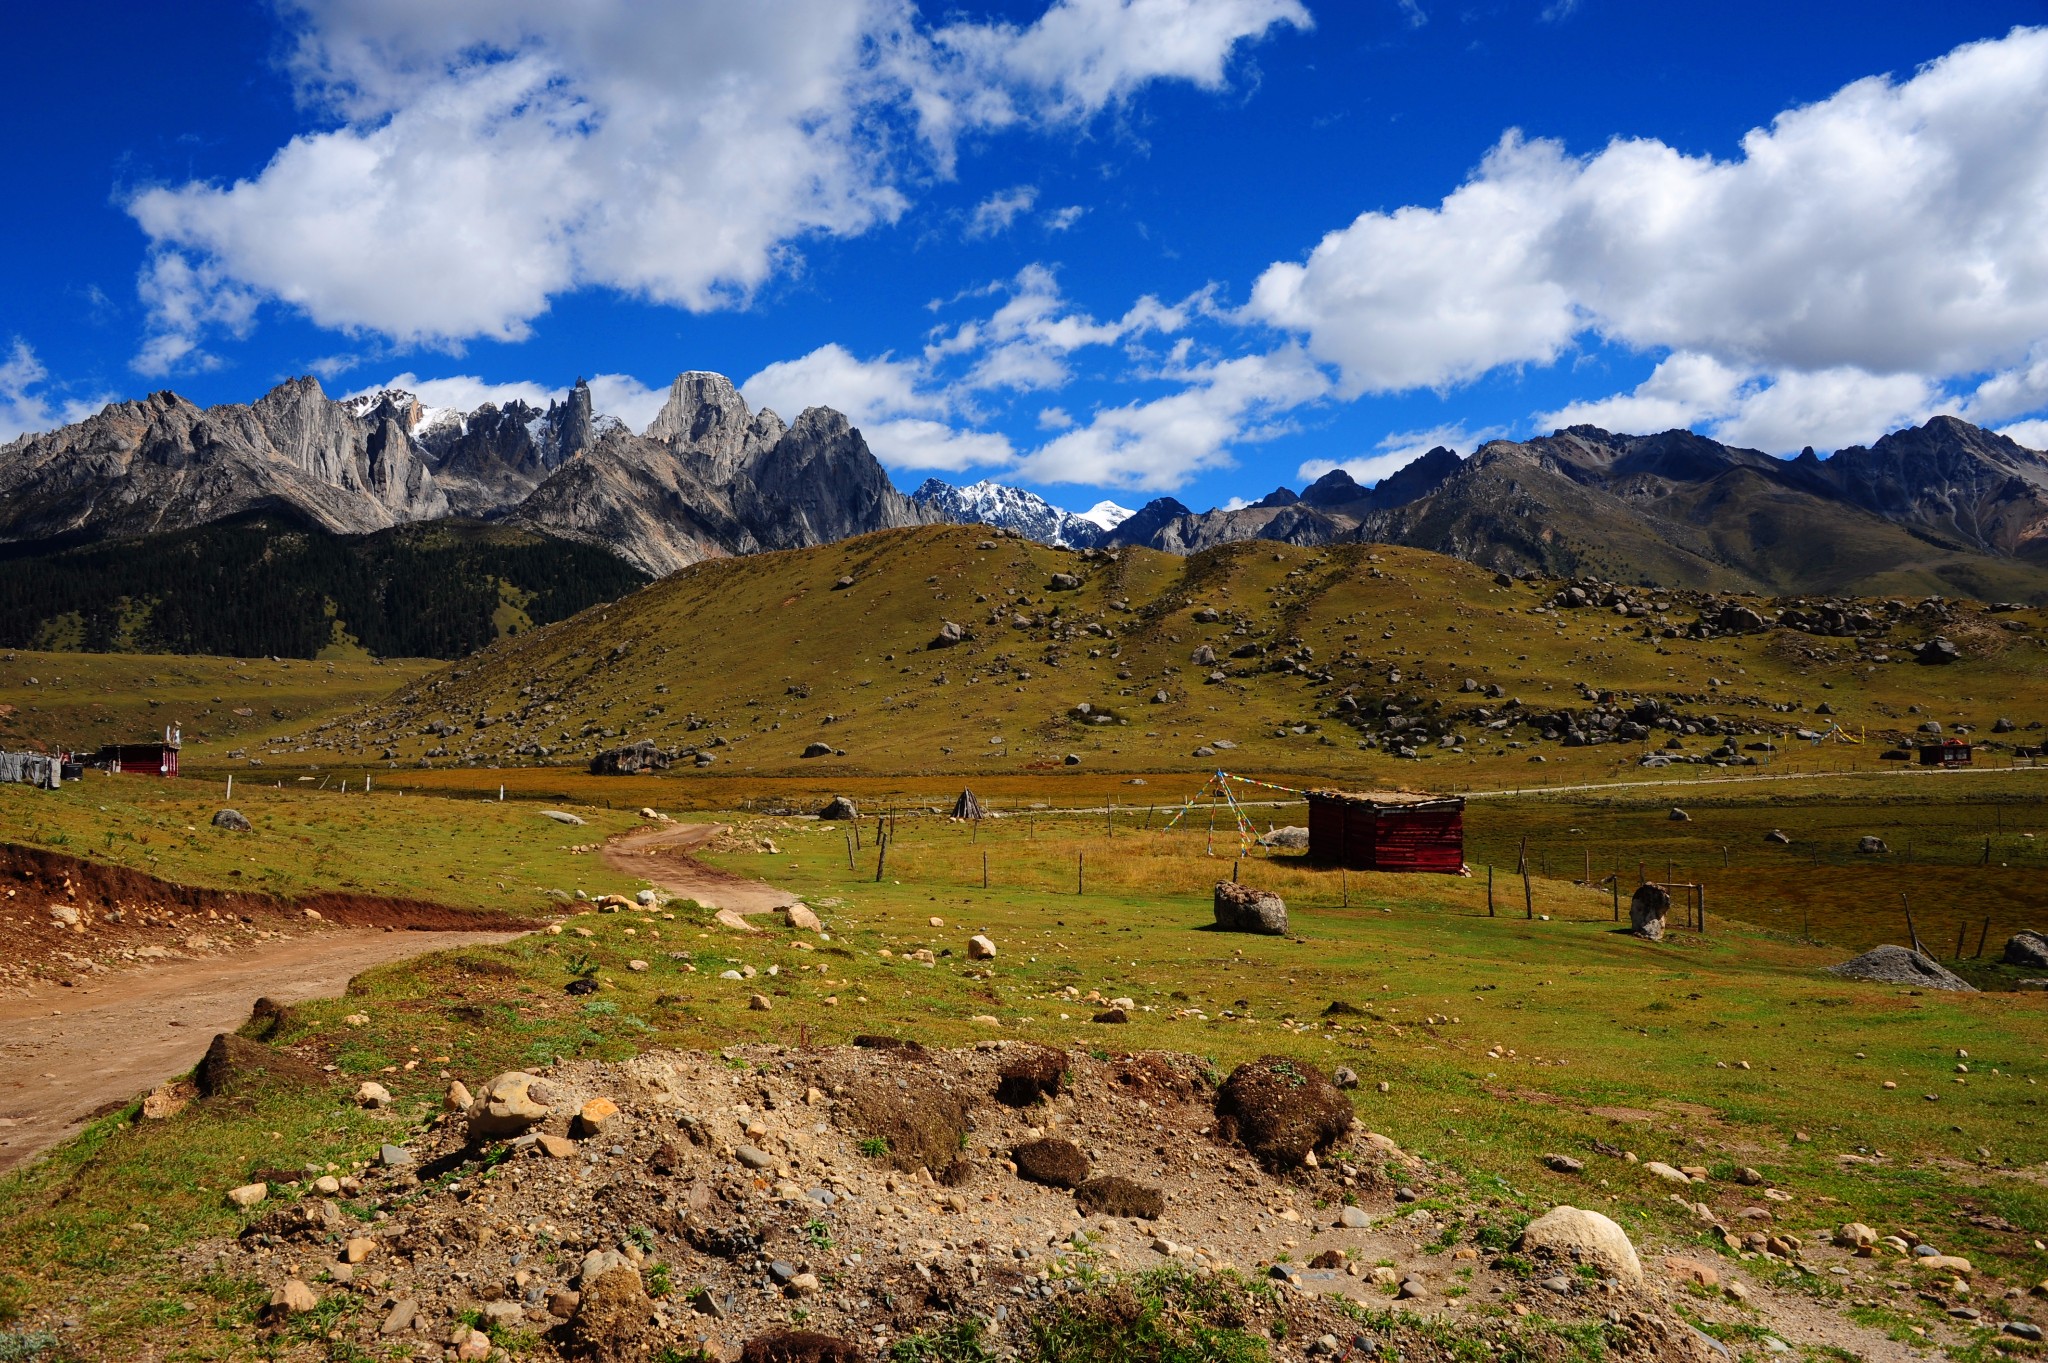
769 1202
613 1319
799 1346
920 1118
1051 1161
1898 965
235 1064
1030 1074
1282 1110
1115 1195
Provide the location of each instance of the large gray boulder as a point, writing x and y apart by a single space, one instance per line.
1648 907
1898 965
1240 908
2028 949
839 808
234 820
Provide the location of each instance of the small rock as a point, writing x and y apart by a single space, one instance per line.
292 1299
400 1317
760 1003
752 1157
980 948
393 1156
1353 1218
373 1095
1565 1164
594 1118
1344 1077
458 1097
249 1194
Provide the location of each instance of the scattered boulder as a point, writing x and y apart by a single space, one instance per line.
235 1064
1029 1074
1870 845
839 807
573 820
1777 835
292 1299
949 635
234 820
1583 1237
1678 815
980 948
1054 1162
372 1094
629 760
1111 1015
1899 965
1293 837
1115 1195
510 1105
1063 582
817 749
1648 907
2028 949
2002 725
841 584
1936 653
1240 908
1282 1110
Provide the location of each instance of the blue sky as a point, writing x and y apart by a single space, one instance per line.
1100 248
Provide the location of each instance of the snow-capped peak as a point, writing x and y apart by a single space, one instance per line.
1106 514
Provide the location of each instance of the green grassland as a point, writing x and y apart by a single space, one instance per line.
83 700
766 655
1500 1038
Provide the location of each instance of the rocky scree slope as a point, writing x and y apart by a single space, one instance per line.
707 478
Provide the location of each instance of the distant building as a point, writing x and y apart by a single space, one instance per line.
1386 830
1950 752
142 759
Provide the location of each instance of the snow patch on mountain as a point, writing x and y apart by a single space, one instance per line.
1015 509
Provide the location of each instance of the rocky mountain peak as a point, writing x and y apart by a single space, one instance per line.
705 416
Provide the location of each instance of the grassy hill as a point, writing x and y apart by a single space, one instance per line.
269 584
1317 651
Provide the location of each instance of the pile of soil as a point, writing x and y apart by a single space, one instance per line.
737 1200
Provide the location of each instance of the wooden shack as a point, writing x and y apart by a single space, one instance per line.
138 759
1950 752
1386 830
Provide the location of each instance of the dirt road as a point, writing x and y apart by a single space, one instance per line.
68 1053
661 857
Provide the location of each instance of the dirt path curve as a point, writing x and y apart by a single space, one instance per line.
661 857
68 1053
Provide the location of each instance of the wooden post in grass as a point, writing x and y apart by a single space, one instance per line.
1724 858
1489 891
1912 934
881 855
1080 873
1109 819
1522 857
231 785
1589 868
1962 931
849 851
1615 884
1987 852
984 870
1235 863
1980 940
1528 896
1703 910
1344 883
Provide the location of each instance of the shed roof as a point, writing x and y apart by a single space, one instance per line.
1388 799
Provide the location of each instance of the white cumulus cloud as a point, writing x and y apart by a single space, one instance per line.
478 159
1862 253
27 405
994 214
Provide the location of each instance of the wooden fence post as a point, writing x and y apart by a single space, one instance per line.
1980 939
1962 933
1489 891
1528 897
984 870
1911 933
1080 872
881 855
849 851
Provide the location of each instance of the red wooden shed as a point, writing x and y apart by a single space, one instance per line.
1387 830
